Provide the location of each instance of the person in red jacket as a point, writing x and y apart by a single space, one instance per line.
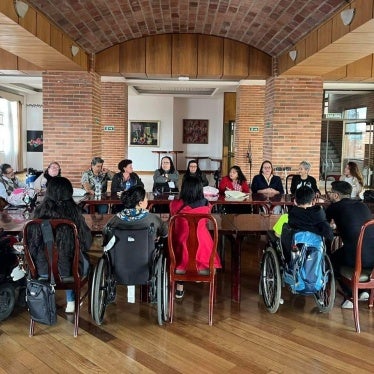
234 181
191 201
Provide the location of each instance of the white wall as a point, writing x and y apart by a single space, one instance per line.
34 121
201 108
171 112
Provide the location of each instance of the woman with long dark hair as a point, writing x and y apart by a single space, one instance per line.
194 171
234 181
191 200
166 175
58 203
353 176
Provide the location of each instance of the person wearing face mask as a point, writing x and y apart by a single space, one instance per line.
53 170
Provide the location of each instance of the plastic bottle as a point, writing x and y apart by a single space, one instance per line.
98 189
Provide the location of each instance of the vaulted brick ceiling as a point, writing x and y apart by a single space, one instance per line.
272 26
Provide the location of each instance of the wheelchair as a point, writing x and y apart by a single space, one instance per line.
278 268
131 257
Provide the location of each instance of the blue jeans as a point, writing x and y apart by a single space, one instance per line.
70 295
102 208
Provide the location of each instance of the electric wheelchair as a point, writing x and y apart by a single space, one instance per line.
283 263
131 257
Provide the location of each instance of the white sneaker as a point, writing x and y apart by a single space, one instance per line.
347 304
70 307
363 296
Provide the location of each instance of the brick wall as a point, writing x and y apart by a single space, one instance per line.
114 112
293 113
249 113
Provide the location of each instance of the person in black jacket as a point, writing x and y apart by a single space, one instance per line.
194 171
58 203
304 179
347 216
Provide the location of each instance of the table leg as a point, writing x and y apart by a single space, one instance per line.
235 268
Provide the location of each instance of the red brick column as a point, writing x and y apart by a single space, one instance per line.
114 112
71 121
250 102
293 112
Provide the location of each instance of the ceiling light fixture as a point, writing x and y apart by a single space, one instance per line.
347 16
21 8
292 54
74 50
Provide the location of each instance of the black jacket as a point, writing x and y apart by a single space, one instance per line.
311 219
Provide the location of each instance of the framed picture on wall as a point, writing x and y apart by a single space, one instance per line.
195 131
144 133
34 141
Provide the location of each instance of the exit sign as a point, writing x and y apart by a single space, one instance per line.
334 115
253 129
108 128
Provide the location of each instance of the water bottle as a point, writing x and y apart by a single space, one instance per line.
128 185
98 189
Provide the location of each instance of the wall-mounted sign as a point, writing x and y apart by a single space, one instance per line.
108 128
253 129
334 115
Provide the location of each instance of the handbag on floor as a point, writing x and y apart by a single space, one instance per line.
40 293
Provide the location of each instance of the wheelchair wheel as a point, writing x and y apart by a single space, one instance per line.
7 300
162 290
271 282
325 298
100 290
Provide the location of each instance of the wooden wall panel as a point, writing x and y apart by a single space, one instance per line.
336 74
43 30
338 28
26 66
311 44
132 58
209 57
324 35
360 69
184 55
8 61
235 59
7 7
56 38
107 61
300 47
363 14
29 22
158 56
260 64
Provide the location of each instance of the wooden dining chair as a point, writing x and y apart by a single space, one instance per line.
74 282
330 178
193 223
289 182
359 278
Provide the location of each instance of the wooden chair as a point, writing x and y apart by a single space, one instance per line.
193 222
289 182
75 282
358 278
331 178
